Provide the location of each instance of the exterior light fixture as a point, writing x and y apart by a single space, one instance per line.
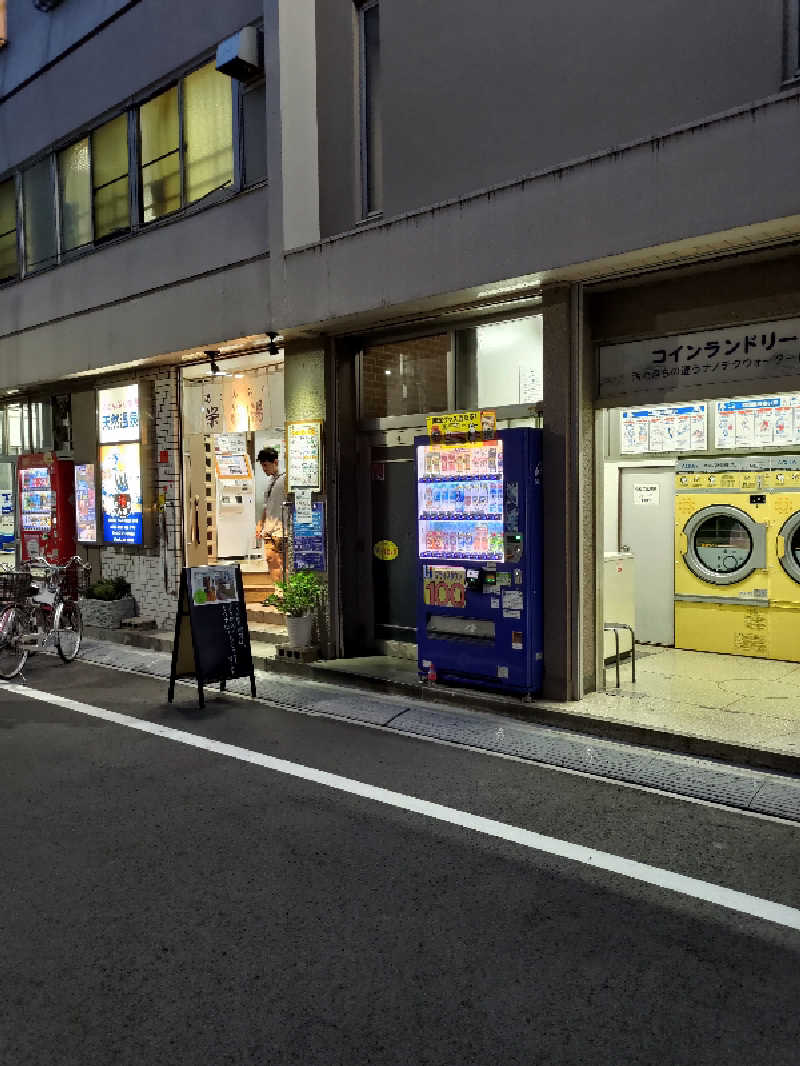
272 347
216 372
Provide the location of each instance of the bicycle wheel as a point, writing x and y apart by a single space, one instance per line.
68 627
13 655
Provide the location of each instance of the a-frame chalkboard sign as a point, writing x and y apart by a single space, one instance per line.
212 641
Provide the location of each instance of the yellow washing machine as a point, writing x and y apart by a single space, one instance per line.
783 558
721 582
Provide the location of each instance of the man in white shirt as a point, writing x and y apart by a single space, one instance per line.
270 526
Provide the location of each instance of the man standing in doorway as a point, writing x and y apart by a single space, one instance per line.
271 525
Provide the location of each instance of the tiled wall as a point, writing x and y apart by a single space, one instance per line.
144 567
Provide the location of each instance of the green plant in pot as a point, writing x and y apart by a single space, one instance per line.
109 589
297 597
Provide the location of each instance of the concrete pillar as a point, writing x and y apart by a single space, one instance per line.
568 498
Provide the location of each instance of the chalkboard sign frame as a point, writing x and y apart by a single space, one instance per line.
199 629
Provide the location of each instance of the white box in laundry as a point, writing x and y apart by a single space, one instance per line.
619 598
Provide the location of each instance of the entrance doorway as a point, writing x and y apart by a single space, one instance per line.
394 554
699 506
230 412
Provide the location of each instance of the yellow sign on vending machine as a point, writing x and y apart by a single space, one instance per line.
462 424
445 587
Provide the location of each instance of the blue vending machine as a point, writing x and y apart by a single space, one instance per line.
479 518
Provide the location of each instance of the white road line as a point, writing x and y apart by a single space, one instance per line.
777 913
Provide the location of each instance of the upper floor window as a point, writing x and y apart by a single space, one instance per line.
126 173
111 211
8 231
39 213
371 130
186 142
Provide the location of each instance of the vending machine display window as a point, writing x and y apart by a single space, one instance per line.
460 501
37 499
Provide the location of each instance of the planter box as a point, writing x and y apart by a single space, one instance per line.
107 614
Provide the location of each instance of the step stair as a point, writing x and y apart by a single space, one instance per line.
258 615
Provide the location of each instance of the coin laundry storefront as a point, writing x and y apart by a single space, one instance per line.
698 491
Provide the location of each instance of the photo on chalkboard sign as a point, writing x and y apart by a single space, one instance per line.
213 584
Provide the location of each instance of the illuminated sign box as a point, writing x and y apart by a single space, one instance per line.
118 415
85 503
121 474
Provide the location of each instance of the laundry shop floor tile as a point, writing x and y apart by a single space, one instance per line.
783 692
751 726
697 692
677 663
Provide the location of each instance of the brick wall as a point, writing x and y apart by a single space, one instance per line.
144 567
405 378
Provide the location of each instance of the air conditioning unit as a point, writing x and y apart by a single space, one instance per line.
241 56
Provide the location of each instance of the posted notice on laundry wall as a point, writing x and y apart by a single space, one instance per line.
645 494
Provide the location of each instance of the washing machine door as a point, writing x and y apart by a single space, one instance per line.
789 558
724 544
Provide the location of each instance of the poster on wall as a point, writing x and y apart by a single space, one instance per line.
663 429
6 519
121 479
118 414
304 455
85 504
757 422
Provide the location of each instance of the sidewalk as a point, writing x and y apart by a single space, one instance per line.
735 708
569 748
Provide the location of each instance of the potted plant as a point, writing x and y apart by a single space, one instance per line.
297 598
107 602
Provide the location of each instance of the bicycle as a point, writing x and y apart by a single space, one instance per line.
33 618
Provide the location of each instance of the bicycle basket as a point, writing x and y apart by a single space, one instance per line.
15 585
76 579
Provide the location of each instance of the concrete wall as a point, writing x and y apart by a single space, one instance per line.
192 282
680 188
475 95
144 45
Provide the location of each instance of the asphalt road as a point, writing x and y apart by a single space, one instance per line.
161 903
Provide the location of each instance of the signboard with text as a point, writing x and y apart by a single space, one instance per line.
121 480
703 360
462 424
304 455
118 414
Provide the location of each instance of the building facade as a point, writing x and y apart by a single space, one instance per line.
461 208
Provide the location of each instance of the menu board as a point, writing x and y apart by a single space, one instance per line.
121 475
230 443
757 422
85 503
304 455
233 466
118 414
212 640
663 429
